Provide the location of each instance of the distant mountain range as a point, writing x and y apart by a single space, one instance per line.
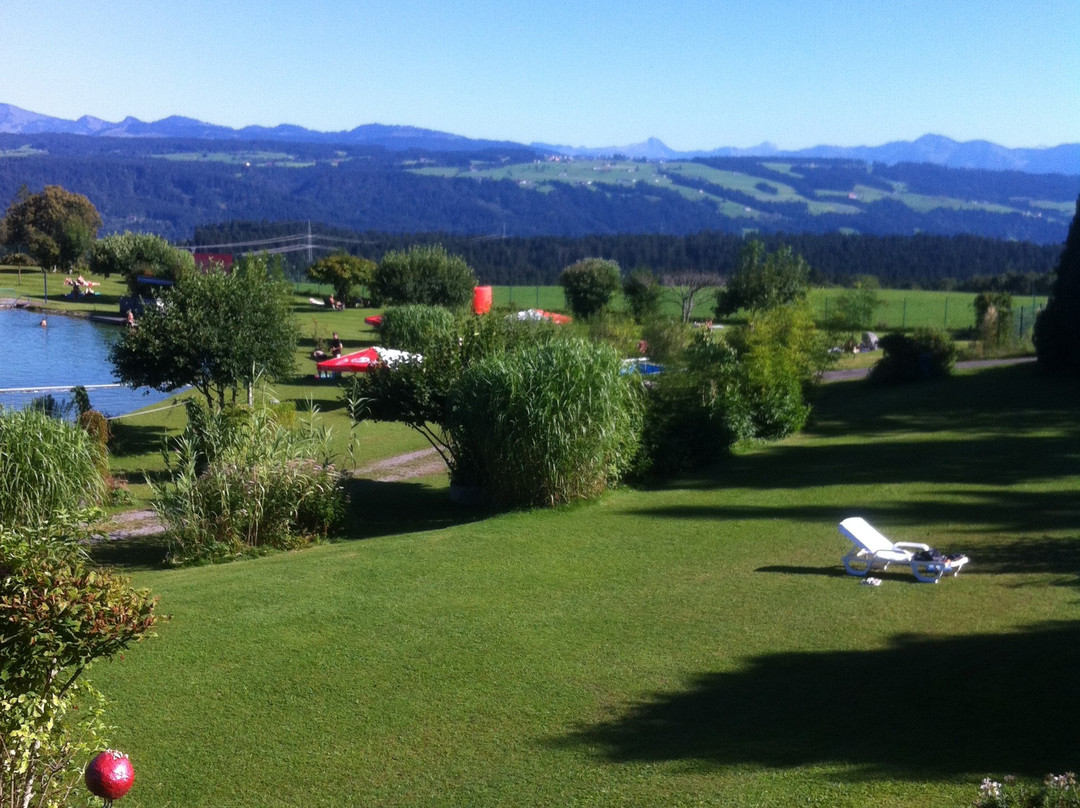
930 149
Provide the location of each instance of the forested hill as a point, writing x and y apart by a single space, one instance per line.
923 261
171 186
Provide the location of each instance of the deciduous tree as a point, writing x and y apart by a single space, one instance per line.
344 272
763 280
135 255
213 331
686 284
55 226
642 291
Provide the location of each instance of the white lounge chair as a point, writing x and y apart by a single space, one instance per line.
872 551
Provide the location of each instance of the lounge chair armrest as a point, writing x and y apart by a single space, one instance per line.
912 544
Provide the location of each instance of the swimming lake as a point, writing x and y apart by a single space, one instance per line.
69 351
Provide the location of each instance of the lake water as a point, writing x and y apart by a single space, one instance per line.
68 352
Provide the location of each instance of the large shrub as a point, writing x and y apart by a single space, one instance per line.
417 393
417 328
926 354
547 423
694 410
780 353
240 482
57 616
589 284
642 292
47 467
424 274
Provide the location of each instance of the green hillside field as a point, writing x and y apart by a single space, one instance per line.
697 644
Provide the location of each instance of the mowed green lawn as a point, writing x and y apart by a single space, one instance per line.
696 644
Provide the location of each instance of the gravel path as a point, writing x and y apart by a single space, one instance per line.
861 373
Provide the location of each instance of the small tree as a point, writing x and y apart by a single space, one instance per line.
642 292
136 255
426 275
1057 329
856 305
213 331
687 284
589 285
55 226
344 272
763 280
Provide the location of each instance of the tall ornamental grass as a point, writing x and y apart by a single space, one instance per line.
416 328
547 423
242 482
47 467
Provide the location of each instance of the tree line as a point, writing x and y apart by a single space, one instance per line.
964 262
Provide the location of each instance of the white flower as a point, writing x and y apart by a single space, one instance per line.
990 788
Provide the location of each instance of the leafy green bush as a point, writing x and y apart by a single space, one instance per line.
589 284
780 353
615 329
240 482
424 274
57 616
416 328
926 354
642 291
47 467
666 339
547 423
763 280
417 394
139 255
694 410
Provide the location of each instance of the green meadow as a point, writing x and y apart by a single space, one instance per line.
695 644
685 645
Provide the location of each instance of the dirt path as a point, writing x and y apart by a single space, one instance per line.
860 373
422 463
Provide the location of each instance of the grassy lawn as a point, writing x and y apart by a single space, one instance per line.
696 644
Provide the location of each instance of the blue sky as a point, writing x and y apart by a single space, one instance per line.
697 74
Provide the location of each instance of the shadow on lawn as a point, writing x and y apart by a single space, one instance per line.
391 508
923 708
132 440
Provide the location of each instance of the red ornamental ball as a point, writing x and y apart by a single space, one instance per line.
109 775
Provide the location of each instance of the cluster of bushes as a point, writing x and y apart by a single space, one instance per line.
57 614
536 414
925 354
244 480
